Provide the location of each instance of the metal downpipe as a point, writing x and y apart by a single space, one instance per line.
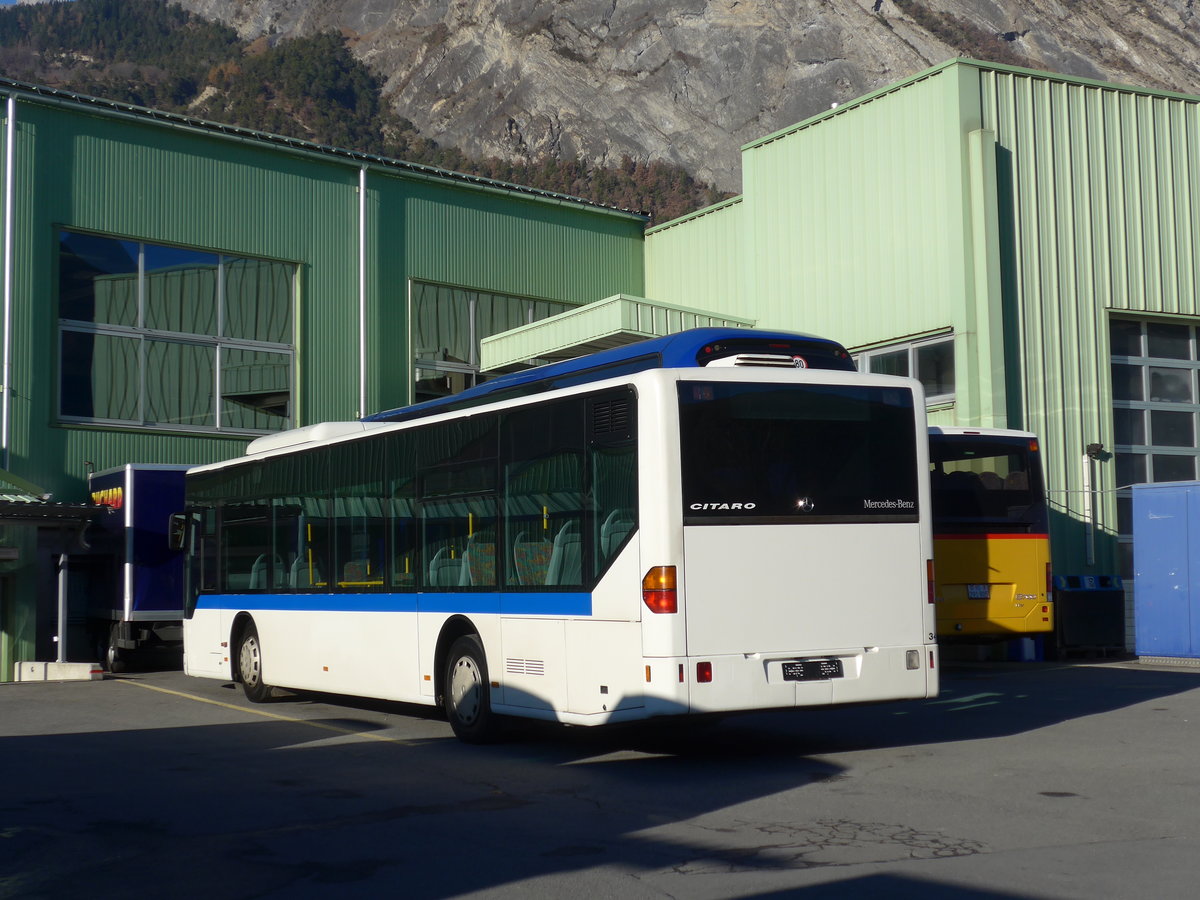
10 145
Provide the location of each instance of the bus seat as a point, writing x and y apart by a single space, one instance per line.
258 573
531 559
299 576
991 481
566 557
1016 481
358 571
962 481
478 565
617 524
444 569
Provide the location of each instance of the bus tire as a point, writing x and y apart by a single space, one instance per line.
467 692
250 671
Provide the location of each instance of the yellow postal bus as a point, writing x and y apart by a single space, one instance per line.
991 545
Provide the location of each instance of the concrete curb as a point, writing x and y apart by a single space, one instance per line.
56 671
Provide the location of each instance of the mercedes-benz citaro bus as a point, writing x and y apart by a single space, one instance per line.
991 544
714 521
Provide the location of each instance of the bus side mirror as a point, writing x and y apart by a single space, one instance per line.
177 529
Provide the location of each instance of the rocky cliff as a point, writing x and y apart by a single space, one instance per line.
690 81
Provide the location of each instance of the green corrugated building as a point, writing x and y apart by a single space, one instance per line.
1024 243
174 288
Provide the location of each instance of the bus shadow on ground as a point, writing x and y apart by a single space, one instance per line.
287 808
975 702
279 808
894 887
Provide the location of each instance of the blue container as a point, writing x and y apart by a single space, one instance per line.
1166 564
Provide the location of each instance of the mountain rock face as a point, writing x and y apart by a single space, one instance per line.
691 81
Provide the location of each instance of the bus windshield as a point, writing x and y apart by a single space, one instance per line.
797 453
985 483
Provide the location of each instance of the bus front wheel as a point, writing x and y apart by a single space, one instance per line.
466 691
250 666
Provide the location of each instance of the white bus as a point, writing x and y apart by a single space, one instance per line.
715 521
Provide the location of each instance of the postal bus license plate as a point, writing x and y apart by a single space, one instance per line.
812 670
979 592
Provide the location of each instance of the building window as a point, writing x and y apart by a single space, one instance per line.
170 337
447 325
931 362
1154 373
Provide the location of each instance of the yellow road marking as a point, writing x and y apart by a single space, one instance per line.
268 715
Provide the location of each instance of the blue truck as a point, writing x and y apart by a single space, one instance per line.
136 607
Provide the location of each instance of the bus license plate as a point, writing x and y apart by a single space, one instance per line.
979 592
812 670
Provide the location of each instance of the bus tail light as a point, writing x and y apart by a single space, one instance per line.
658 590
929 579
703 673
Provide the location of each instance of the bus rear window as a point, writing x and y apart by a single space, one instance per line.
797 453
985 480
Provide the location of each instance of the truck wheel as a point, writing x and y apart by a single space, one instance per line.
114 659
250 666
466 690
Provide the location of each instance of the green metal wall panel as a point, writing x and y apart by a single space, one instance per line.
872 223
484 240
1099 186
700 260
856 218
490 241
1021 209
167 185
162 180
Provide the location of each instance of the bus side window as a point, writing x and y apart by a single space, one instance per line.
288 549
544 496
459 540
405 556
457 505
301 524
314 558
359 524
614 485
207 549
245 547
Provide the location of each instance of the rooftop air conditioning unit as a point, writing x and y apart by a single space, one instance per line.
770 360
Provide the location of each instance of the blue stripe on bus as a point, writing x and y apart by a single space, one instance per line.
509 604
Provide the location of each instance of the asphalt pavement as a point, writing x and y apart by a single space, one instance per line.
1021 780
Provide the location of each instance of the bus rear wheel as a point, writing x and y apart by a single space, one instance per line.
466 692
250 666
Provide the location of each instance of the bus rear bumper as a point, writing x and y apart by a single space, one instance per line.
742 682
781 680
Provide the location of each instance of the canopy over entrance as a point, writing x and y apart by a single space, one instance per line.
603 325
